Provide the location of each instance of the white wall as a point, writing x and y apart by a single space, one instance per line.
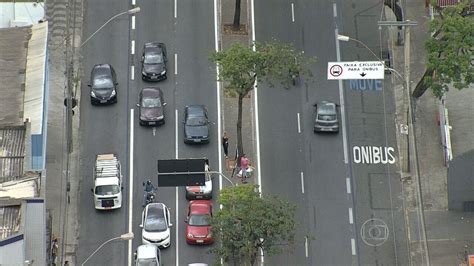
23 13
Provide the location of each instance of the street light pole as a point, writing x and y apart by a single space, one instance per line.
124 237
129 12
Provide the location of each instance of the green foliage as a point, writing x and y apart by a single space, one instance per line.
248 222
240 66
450 50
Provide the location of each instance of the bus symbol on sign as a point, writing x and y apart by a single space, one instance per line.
336 70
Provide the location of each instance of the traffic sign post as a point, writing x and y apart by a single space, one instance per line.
356 70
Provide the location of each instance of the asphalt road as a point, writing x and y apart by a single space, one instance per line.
309 169
106 129
303 161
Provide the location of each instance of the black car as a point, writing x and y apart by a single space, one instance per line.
196 124
151 107
154 61
326 117
103 84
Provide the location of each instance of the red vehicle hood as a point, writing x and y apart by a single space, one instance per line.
198 231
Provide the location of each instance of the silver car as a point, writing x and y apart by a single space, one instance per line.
326 119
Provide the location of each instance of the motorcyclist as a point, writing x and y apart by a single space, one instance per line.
149 189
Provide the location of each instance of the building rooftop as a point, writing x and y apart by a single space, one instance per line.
12 152
13 44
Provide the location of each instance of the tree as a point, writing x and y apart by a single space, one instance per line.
236 24
449 51
241 66
248 222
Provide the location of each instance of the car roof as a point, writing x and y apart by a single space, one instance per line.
102 69
155 210
147 251
196 110
200 206
152 91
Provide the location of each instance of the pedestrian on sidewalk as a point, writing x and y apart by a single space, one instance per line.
225 144
244 165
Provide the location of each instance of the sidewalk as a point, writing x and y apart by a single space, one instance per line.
60 205
229 103
447 232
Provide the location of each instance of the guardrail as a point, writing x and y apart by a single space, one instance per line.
445 132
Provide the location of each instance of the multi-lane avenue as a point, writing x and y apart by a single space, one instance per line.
187 29
348 212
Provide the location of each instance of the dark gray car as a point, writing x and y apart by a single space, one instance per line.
103 84
154 61
326 117
196 124
151 107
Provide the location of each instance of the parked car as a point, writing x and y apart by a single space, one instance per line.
201 192
151 107
148 255
198 228
154 61
196 124
103 84
326 117
156 223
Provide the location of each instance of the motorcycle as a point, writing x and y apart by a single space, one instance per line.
150 197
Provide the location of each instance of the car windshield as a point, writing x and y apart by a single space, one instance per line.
154 223
154 58
199 220
327 117
147 262
107 190
196 121
102 82
151 102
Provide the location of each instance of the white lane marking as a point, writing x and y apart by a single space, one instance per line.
341 93
218 93
175 8
306 246
348 185
293 12
132 72
257 128
154 131
353 246
133 22
299 123
302 182
176 64
132 47
351 216
176 226
177 191
334 10
130 192
134 2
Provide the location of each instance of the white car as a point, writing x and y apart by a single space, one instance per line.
148 255
156 223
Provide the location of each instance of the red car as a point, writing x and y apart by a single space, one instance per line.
198 228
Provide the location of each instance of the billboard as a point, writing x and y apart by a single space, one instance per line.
181 172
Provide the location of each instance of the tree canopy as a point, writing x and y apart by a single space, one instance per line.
248 222
240 66
450 51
